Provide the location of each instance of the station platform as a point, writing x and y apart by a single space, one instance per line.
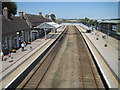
109 53
19 58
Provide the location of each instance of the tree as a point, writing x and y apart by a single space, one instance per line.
96 23
85 21
53 17
91 22
11 6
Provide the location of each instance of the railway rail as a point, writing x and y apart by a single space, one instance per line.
48 36
41 69
88 74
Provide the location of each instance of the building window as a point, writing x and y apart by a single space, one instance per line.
114 27
4 43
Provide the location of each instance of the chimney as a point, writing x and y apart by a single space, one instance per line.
40 13
21 14
5 12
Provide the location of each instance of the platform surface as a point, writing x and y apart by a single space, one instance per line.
109 53
20 57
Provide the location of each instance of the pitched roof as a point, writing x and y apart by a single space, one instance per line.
48 25
48 20
14 24
35 20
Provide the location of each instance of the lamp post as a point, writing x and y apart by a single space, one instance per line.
107 33
17 39
22 36
108 30
0 46
45 33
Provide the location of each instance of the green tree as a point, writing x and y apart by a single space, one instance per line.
85 21
53 17
47 16
12 6
96 23
91 22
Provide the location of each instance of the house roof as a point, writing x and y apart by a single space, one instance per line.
14 24
35 20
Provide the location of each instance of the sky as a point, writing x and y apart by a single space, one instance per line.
65 0
72 10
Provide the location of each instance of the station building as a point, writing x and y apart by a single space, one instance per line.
111 27
18 29
14 31
35 20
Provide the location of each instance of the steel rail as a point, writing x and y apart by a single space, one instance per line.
54 49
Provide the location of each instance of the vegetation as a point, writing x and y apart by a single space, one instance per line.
86 21
47 16
89 22
11 6
53 17
66 20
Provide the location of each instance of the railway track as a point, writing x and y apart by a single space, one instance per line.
89 74
48 36
86 71
40 70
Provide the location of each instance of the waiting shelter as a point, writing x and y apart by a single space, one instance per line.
48 25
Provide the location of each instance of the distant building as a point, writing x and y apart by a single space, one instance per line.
111 27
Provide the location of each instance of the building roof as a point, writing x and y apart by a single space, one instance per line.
111 21
13 25
48 25
48 20
35 20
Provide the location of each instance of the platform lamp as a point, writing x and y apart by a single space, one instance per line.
0 46
108 28
22 36
45 29
108 32
18 39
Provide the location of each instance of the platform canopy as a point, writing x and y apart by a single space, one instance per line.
48 25
85 26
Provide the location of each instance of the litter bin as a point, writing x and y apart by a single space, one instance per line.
105 45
